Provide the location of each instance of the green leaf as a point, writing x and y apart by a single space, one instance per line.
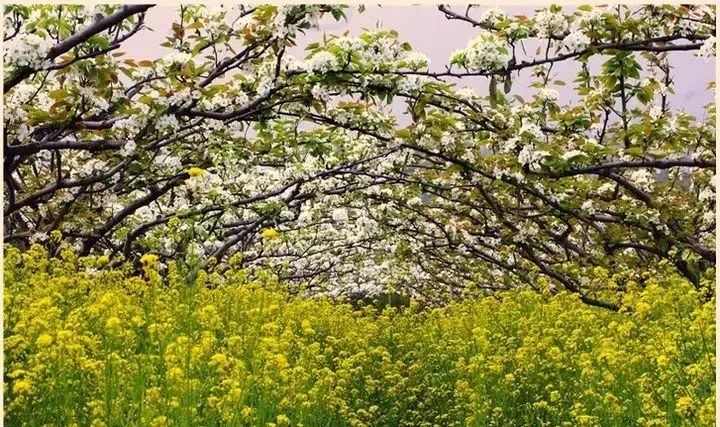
634 151
337 14
199 47
419 109
493 91
126 71
58 94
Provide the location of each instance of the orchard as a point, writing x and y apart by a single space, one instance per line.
183 232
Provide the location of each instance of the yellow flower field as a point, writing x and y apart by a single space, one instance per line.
88 344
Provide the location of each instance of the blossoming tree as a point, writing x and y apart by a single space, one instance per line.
231 151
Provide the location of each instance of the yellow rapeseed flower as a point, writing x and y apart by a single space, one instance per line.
219 359
175 374
685 406
247 412
44 340
149 259
662 360
246 341
153 395
113 324
282 420
22 387
269 233
195 171
159 421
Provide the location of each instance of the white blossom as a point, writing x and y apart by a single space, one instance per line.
576 41
128 148
707 50
415 201
467 93
530 129
322 62
165 159
493 16
349 44
21 94
549 23
572 154
409 84
529 156
709 217
203 183
707 194
656 112
39 237
510 145
92 166
340 215
517 31
182 97
485 52
175 58
606 188
131 125
167 123
416 60
593 16
320 92
643 178
26 50
549 95
212 20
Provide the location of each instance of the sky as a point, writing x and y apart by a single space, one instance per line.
429 32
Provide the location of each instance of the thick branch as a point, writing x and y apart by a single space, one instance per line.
92 146
80 37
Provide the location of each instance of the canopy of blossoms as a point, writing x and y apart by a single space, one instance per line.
230 151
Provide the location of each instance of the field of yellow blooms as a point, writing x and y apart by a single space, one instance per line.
88 344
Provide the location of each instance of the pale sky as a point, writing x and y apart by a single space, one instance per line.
429 32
